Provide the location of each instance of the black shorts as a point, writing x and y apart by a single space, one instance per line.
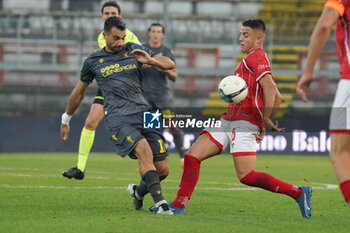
126 131
98 98
163 104
159 102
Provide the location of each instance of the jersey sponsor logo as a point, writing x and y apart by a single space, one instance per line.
151 120
108 70
262 67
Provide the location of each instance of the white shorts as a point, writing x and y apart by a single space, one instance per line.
239 135
340 114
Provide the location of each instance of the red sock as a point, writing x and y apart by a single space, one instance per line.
266 181
345 189
189 180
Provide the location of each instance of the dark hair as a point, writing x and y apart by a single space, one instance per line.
111 3
157 24
114 21
255 24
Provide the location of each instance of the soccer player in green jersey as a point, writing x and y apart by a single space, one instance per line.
109 8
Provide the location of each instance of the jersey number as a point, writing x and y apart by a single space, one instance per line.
162 146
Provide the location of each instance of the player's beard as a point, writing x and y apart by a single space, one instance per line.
114 49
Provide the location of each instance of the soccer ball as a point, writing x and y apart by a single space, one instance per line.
233 89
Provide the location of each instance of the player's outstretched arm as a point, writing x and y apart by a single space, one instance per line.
269 93
318 40
162 62
75 99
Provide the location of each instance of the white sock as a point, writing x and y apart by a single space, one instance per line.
161 202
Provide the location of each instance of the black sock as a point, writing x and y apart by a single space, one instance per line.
178 140
141 190
151 179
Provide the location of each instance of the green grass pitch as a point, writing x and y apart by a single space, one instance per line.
34 197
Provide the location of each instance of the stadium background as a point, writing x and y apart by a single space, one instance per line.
43 44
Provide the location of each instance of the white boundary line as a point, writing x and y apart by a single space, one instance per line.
7 186
132 179
90 172
106 178
60 171
315 185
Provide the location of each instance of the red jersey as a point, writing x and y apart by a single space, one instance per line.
342 34
251 69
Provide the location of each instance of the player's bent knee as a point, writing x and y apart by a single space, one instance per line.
92 121
143 152
95 116
204 148
91 124
340 144
338 155
194 153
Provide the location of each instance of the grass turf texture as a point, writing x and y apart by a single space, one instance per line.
34 197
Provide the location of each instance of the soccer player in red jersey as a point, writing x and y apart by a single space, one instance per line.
243 126
334 12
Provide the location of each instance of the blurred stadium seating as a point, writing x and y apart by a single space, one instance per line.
43 44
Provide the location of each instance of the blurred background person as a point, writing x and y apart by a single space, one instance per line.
156 87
